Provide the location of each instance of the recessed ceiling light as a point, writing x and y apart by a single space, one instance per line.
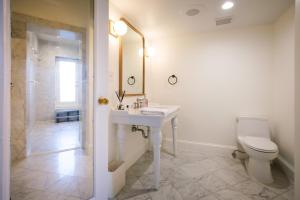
227 5
192 12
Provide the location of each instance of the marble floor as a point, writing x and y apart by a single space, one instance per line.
196 176
58 176
49 136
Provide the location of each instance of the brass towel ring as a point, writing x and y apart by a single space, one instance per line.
131 80
172 79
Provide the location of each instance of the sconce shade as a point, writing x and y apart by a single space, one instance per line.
120 28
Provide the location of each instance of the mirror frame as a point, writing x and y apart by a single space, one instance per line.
121 60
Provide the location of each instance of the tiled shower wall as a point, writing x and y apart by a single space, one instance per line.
18 90
45 76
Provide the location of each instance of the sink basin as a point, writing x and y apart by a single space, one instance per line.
135 117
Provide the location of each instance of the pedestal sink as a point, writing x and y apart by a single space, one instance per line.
155 122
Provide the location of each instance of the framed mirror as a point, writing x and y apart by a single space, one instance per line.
132 62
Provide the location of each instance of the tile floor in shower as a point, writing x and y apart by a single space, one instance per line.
48 136
57 176
193 175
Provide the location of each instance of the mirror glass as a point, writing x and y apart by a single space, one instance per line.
132 62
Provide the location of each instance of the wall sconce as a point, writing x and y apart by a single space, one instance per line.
117 28
149 52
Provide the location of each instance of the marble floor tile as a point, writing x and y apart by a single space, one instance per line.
140 197
191 189
212 182
227 162
229 194
58 176
147 181
184 177
199 168
49 136
209 197
230 177
197 176
281 183
134 190
289 194
166 192
281 198
255 190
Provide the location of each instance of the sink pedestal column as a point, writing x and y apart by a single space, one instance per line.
174 133
155 137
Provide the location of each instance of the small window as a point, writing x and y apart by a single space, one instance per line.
66 82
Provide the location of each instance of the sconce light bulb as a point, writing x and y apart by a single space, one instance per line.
120 28
227 5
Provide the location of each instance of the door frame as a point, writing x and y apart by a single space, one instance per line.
5 71
100 89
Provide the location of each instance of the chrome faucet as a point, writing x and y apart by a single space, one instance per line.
140 102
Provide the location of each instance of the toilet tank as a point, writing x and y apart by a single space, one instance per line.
251 126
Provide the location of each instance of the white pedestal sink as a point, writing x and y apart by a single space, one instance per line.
155 122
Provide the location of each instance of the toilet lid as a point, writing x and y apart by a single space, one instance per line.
260 144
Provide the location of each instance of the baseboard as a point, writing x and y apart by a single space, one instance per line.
130 160
287 168
203 147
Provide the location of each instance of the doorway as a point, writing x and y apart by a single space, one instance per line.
52 154
54 90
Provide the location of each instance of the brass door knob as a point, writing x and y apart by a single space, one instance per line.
103 101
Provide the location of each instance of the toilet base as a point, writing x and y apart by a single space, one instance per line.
260 170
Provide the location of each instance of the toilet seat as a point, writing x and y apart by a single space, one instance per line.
260 144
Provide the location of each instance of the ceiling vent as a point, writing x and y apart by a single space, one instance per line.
192 12
223 21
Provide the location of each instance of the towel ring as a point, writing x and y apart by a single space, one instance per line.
172 79
131 80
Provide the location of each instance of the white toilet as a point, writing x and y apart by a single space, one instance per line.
254 139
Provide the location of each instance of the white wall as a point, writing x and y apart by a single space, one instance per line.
135 144
283 85
221 75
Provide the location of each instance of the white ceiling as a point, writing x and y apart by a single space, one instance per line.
164 17
55 35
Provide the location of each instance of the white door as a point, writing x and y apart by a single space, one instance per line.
4 99
101 112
